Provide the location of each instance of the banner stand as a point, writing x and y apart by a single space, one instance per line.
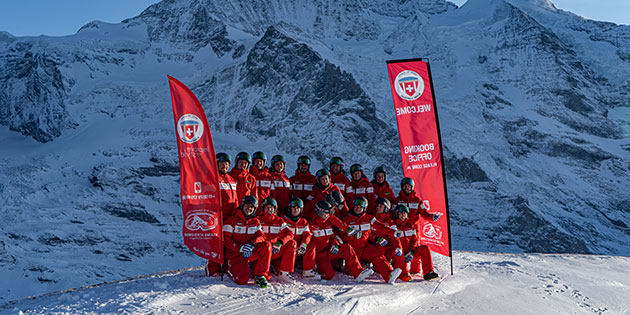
408 79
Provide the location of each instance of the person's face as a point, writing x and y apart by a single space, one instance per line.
224 166
406 188
248 209
324 180
295 211
259 163
325 216
380 177
357 209
278 166
269 209
380 208
303 168
356 175
403 216
242 164
335 168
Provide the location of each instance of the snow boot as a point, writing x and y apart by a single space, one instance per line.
262 282
431 275
394 275
364 274
286 277
311 275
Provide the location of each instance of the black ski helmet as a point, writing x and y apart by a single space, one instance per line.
407 180
360 201
380 169
385 202
244 156
259 155
337 160
224 157
322 207
304 160
270 201
320 173
252 201
278 158
295 202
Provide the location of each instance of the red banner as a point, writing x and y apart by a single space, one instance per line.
203 224
421 146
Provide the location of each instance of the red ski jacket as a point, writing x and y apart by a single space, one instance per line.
323 234
302 184
238 231
364 188
383 191
389 222
263 182
365 223
275 228
410 239
411 201
246 183
280 189
300 229
340 180
229 199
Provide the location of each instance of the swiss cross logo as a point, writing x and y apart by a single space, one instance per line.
189 128
409 85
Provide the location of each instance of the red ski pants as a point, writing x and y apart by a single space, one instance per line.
238 266
284 260
422 255
376 255
308 259
324 257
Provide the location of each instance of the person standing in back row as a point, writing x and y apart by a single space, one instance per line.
280 184
360 186
246 182
261 173
303 181
338 176
381 186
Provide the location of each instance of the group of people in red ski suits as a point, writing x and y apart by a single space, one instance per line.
323 222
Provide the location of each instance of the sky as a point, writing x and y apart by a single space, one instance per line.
65 17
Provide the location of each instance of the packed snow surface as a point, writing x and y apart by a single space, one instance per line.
482 283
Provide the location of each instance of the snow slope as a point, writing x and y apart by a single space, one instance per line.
483 283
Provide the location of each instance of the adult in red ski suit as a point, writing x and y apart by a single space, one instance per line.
302 236
246 182
322 191
262 175
328 248
338 176
245 243
280 184
227 186
363 222
303 181
360 186
277 233
407 197
413 251
229 201
381 186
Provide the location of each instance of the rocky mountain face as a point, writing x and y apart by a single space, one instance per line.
533 104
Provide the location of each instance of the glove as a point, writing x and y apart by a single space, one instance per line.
339 240
436 216
409 256
399 234
334 249
302 249
350 231
381 241
275 248
398 252
247 249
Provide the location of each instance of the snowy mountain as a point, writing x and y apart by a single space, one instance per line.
533 104
526 283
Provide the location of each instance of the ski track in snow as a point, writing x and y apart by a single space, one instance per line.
483 283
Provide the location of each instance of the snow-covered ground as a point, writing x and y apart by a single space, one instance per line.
483 283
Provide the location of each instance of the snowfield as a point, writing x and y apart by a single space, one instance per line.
482 283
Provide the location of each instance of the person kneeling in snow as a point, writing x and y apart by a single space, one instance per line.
366 251
302 236
244 243
413 251
283 245
328 248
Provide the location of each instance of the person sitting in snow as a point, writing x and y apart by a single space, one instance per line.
283 245
302 236
412 251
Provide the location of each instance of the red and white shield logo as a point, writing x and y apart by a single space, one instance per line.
410 87
190 128
189 131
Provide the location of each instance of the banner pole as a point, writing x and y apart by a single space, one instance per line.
437 122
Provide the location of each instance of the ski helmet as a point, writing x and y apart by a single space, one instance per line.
402 208
322 207
320 173
356 167
278 158
224 157
407 180
385 202
259 155
252 201
380 169
270 201
304 160
295 202
244 156
337 160
335 198
362 202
